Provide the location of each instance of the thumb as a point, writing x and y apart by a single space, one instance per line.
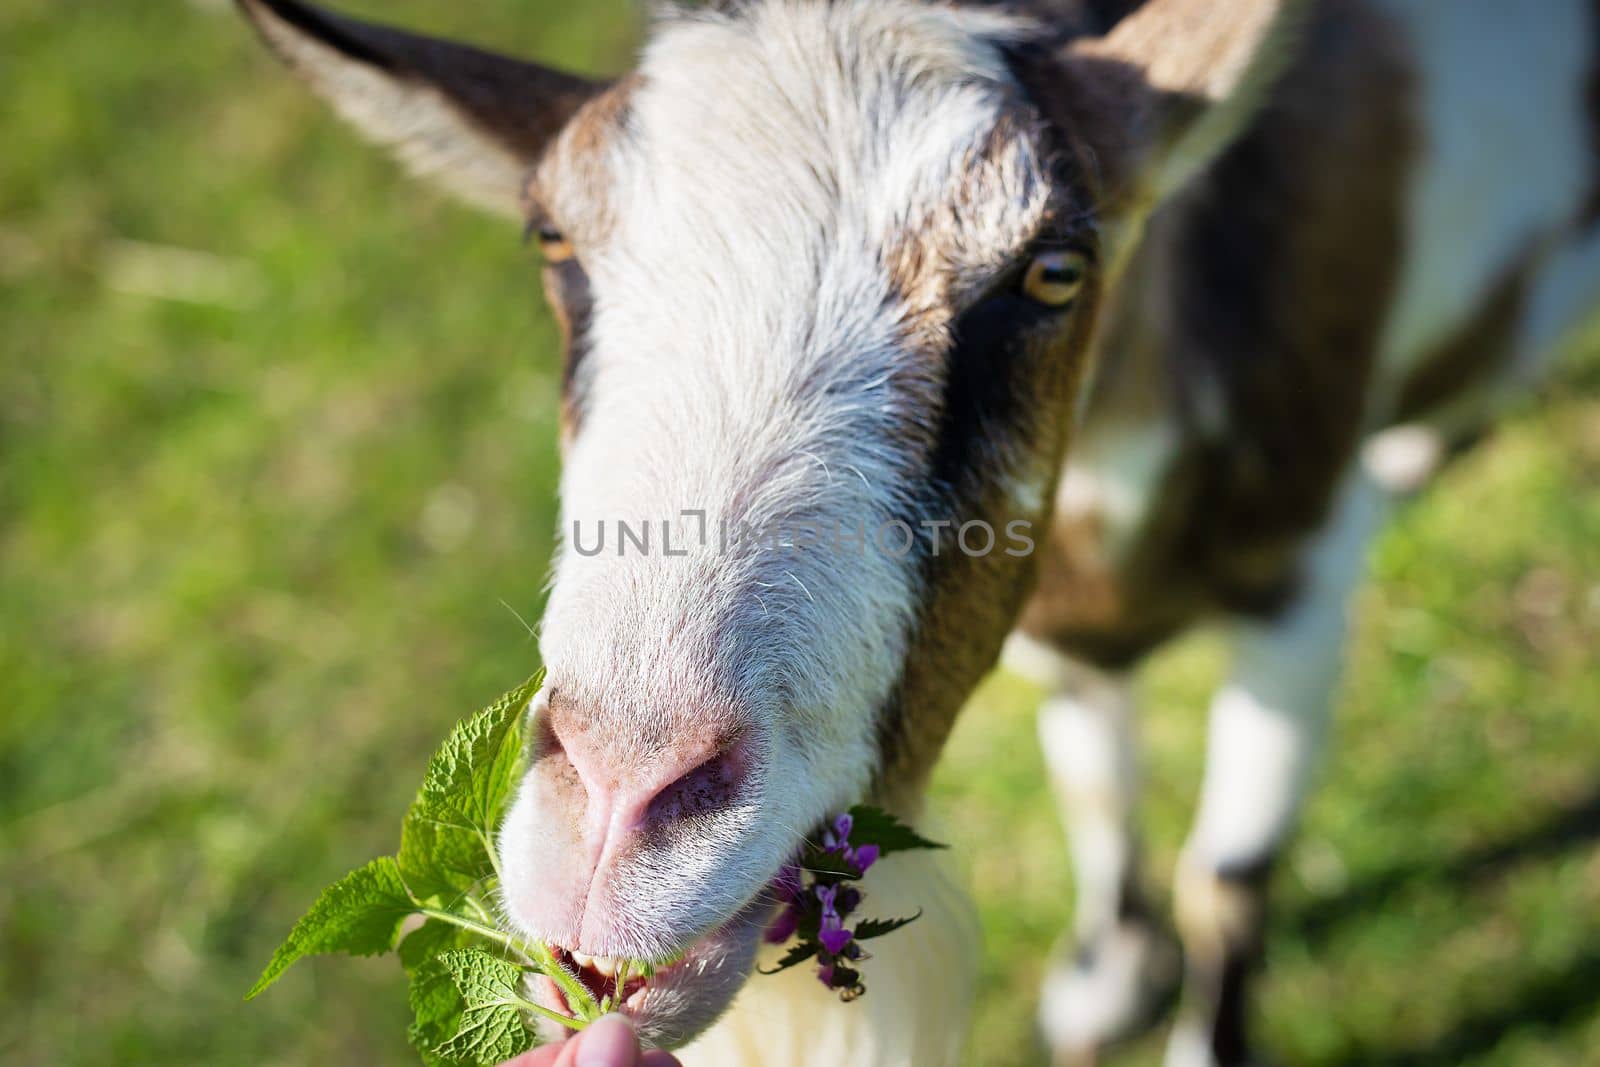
606 1042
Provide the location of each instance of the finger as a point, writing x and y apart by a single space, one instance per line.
540 1057
607 1042
659 1059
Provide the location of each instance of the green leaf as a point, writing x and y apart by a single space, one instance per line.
794 957
875 826
440 858
490 1029
436 1005
429 940
447 838
476 769
868 929
359 914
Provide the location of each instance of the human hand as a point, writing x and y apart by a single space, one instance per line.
607 1042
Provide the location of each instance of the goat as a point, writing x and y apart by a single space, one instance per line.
1198 291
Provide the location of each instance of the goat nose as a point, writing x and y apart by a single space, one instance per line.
628 793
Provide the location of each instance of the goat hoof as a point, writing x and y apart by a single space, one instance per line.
1108 991
1190 1046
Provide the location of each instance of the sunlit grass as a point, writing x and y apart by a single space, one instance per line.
257 525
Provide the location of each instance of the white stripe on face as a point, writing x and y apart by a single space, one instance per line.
748 353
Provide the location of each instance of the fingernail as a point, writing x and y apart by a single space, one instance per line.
608 1042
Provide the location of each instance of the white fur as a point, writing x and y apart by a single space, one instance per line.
1269 721
1084 1008
431 136
1506 154
1086 728
1189 1046
1087 735
1114 474
1036 661
1086 731
1402 459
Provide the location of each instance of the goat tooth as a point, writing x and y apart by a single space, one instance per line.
581 959
606 965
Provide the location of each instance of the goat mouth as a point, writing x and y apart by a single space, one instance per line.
672 1002
603 977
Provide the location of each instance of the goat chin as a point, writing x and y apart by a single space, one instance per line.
921 982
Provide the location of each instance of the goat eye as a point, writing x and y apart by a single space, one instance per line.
1054 278
554 244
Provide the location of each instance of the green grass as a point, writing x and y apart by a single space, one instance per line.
257 548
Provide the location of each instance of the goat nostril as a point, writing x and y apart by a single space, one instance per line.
545 741
711 787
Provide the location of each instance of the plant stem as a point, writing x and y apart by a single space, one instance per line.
565 1020
477 906
578 996
494 857
489 933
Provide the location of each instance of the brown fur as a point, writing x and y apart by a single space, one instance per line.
973 600
1269 306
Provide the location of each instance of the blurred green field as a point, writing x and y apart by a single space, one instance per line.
277 473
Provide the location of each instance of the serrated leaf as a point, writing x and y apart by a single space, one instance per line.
476 768
490 1029
429 940
441 858
871 825
436 1007
796 955
867 929
360 914
447 835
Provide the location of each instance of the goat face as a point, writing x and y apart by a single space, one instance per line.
818 301
828 279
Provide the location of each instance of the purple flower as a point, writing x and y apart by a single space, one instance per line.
831 932
782 928
786 887
827 894
836 940
836 839
816 898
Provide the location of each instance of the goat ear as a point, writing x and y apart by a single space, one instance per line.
474 120
1172 84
